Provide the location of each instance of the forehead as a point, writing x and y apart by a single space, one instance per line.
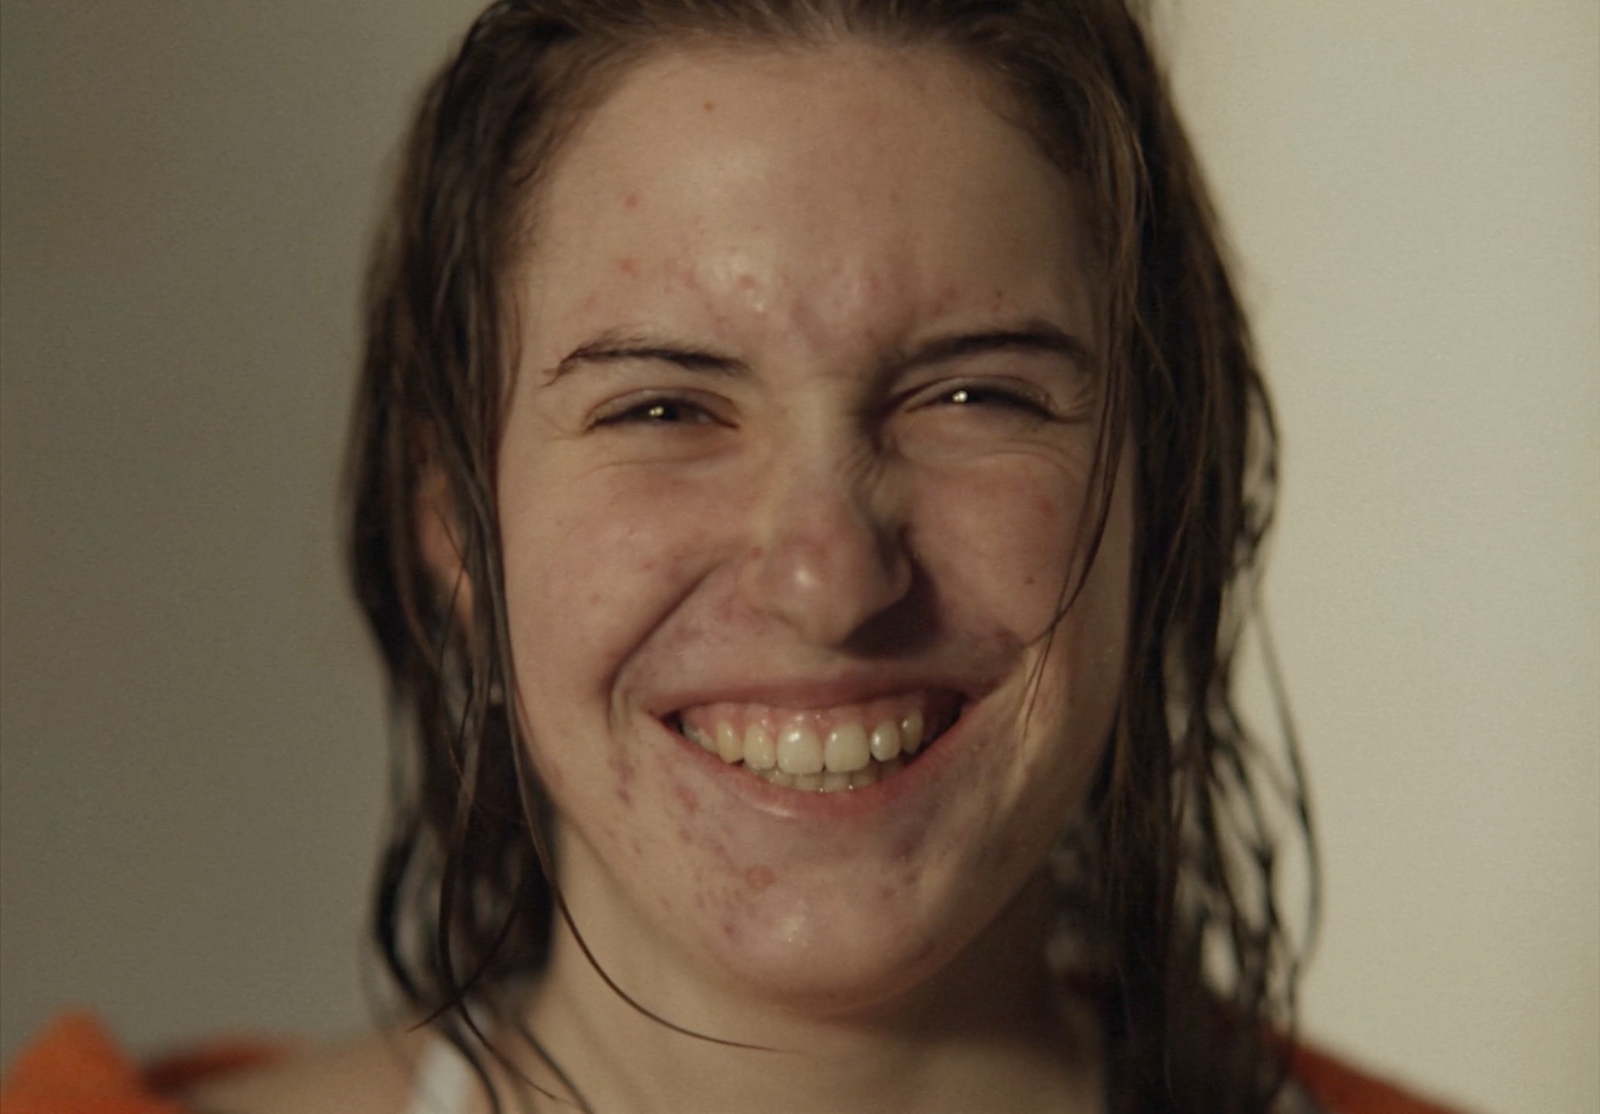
798 186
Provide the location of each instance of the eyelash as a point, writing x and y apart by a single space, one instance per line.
667 410
655 410
980 394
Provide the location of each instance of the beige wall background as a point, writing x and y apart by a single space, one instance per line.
193 754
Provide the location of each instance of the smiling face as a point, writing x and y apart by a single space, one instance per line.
797 465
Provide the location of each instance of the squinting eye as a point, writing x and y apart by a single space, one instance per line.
992 396
659 411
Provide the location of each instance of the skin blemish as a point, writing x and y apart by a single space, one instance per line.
691 803
685 275
631 201
747 282
685 836
629 266
710 106
758 878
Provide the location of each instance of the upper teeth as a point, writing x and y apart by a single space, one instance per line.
810 746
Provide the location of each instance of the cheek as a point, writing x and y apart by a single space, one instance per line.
1001 541
607 554
1005 549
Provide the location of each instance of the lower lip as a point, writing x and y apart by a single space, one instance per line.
801 804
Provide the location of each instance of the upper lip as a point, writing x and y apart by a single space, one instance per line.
812 693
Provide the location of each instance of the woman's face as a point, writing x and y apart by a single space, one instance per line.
794 476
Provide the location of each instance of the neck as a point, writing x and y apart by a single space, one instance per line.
991 1030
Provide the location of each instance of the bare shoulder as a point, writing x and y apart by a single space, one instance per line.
369 1075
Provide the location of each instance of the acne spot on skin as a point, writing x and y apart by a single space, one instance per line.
710 106
676 271
758 878
629 266
691 803
685 836
631 201
747 282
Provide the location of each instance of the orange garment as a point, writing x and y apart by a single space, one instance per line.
74 1067
1343 1090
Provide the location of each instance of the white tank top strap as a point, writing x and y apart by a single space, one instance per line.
443 1080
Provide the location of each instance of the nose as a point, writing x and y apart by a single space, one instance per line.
828 556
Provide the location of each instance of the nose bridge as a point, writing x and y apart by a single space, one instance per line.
828 552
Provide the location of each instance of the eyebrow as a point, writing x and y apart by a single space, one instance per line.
1033 335
1029 336
613 347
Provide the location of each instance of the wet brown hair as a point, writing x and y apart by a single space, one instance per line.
1173 891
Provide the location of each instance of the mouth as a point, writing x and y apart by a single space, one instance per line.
827 750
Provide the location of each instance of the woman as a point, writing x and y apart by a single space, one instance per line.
808 475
